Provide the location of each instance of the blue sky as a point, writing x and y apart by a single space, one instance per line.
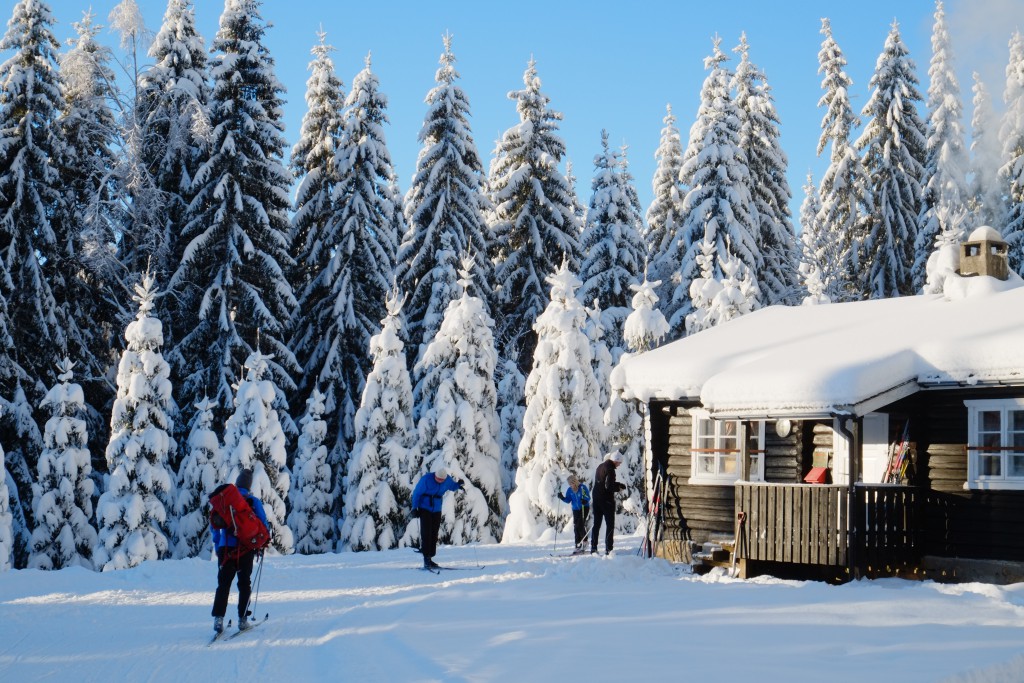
611 65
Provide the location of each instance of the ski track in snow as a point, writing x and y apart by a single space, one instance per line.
525 616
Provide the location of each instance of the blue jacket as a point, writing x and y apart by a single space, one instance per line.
429 493
223 537
577 499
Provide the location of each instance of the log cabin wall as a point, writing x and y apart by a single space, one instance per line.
961 523
697 512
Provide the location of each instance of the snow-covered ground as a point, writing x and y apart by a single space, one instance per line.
526 616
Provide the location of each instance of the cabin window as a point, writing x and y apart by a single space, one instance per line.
715 450
995 448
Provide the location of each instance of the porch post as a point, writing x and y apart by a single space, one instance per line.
744 439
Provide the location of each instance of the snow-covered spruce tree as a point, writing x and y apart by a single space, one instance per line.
579 211
894 146
385 457
534 228
198 475
21 432
846 203
563 426
446 197
665 214
458 427
986 199
6 520
511 386
254 439
817 255
703 290
725 298
946 162
30 102
311 518
345 301
132 512
614 253
645 328
769 189
173 130
1011 173
600 356
85 274
313 163
62 495
719 206
230 283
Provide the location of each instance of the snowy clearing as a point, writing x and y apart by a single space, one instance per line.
527 616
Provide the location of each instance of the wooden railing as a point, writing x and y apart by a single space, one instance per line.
821 525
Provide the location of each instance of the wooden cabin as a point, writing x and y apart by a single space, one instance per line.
845 440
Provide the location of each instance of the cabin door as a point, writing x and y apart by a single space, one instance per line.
875 450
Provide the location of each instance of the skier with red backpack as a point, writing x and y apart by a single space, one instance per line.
238 525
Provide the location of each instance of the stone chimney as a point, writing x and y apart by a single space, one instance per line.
984 253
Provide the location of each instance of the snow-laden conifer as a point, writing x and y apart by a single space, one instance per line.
254 439
133 511
312 502
894 147
6 520
946 162
511 386
231 283
30 102
818 259
846 203
563 426
446 197
986 200
23 443
719 205
174 128
703 290
665 214
534 228
614 253
458 427
721 298
769 189
1011 173
385 457
601 359
313 163
198 475
62 495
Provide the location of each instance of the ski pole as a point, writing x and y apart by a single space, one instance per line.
259 575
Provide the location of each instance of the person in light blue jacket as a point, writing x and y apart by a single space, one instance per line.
578 497
426 504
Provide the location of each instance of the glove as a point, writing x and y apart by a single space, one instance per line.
416 512
561 497
461 483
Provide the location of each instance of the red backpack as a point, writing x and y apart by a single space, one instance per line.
230 510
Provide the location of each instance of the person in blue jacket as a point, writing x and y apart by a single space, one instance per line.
426 504
578 497
234 562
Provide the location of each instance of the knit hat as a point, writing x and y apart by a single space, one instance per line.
244 479
441 473
615 456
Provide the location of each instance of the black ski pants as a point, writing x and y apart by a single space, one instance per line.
231 565
579 524
603 512
430 525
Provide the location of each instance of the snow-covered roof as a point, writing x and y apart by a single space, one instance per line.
847 358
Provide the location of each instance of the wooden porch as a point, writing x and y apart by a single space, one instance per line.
874 529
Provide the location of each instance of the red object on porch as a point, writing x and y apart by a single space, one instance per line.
817 475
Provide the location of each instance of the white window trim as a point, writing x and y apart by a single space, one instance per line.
975 481
756 460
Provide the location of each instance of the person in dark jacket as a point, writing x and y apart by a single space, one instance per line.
578 497
605 488
234 561
426 504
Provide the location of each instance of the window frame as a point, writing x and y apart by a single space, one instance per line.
975 453
720 453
